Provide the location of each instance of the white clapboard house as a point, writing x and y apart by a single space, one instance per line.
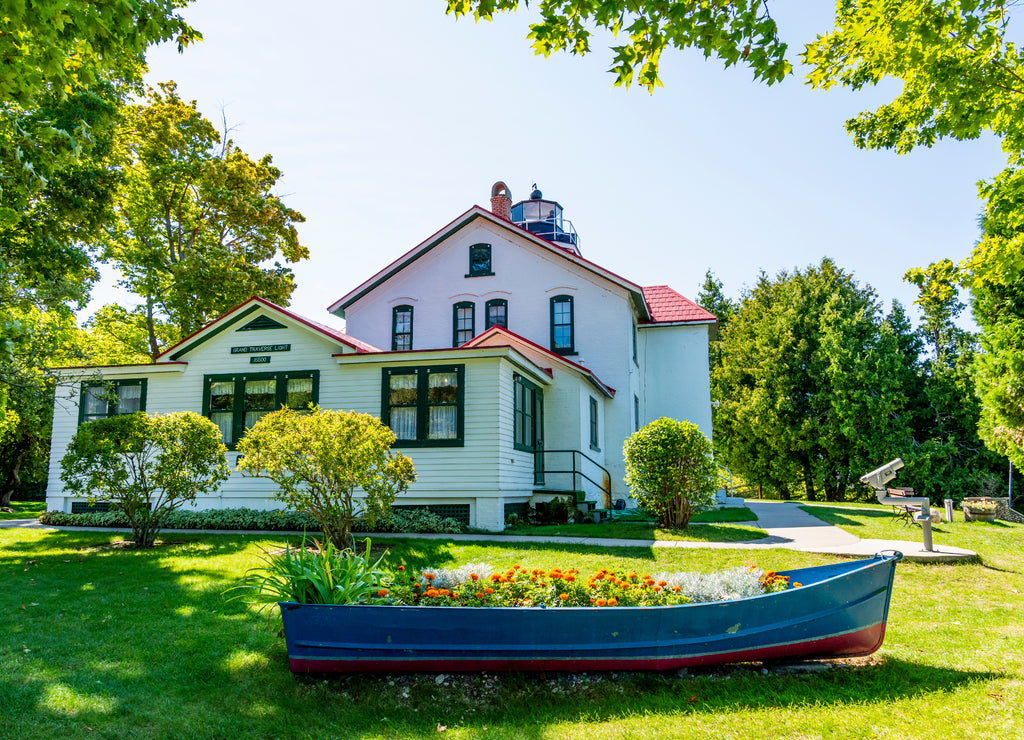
509 367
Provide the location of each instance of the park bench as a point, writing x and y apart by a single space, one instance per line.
904 512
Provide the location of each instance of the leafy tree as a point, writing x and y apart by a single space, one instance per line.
741 31
28 391
197 220
808 386
146 466
670 467
118 336
321 459
67 64
995 275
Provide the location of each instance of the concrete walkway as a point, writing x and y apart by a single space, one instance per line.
788 526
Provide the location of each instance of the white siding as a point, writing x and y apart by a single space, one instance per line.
677 372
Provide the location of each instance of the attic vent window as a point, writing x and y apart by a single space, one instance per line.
479 261
262 322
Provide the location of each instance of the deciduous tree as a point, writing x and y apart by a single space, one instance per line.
197 220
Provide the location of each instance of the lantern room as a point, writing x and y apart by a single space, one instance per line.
544 218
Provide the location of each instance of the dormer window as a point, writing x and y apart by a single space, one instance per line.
479 260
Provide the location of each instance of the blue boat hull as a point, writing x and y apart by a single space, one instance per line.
840 611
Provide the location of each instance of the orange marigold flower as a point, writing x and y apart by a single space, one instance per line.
474 577
431 593
429 576
382 592
488 590
600 576
662 583
444 592
401 568
453 596
657 589
633 576
516 566
563 597
677 588
415 585
479 594
495 576
646 576
601 602
612 601
649 582
570 579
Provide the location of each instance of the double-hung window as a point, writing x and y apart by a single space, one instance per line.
424 405
528 415
562 339
497 313
401 328
463 323
111 398
235 402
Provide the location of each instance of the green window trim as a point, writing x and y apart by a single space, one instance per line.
235 410
463 322
415 409
480 261
563 330
492 312
401 328
594 429
111 396
527 415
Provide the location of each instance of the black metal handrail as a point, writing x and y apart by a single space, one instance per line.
541 470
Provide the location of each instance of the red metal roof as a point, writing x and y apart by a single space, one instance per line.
669 307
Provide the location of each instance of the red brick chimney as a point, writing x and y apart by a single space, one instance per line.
501 201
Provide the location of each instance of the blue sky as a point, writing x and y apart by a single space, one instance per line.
390 119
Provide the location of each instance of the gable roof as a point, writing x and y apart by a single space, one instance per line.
666 306
247 308
474 213
498 336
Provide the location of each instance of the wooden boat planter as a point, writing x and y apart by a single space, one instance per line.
840 611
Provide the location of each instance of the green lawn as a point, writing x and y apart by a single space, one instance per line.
24 510
645 531
704 528
876 522
105 642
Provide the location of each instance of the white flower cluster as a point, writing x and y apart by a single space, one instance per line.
454 577
725 585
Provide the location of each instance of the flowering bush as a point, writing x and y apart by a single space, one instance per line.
477 585
981 507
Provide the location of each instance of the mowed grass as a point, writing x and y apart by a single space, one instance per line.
708 526
105 642
24 510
